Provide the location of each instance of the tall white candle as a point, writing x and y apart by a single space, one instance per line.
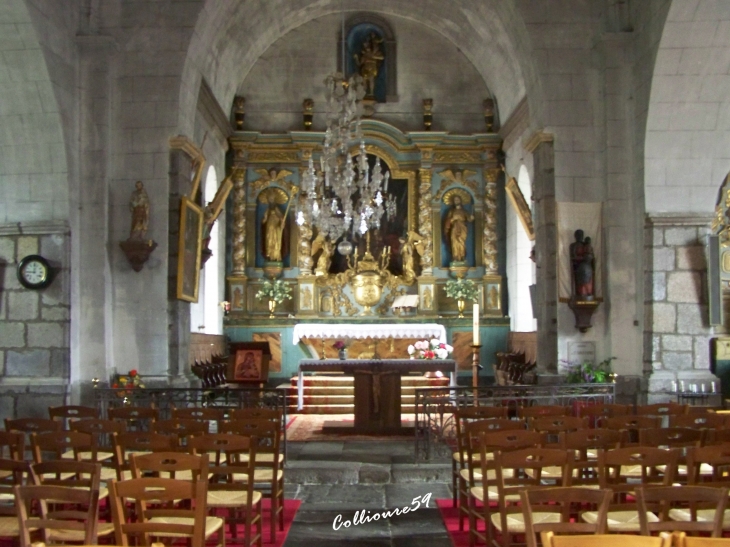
476 324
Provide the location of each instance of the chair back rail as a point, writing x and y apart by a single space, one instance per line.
661 500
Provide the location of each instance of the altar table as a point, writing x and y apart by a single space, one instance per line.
377 387
375 330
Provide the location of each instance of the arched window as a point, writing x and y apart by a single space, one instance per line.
520 268
206 315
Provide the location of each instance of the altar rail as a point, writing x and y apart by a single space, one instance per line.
165 399
435 428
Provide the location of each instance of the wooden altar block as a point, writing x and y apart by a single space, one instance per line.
377 400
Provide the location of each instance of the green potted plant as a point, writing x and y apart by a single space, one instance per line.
276 292
588 373
462 290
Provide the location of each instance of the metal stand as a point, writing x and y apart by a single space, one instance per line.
475 368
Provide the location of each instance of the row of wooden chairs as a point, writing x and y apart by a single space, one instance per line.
502 463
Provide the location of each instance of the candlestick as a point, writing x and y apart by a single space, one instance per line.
476 324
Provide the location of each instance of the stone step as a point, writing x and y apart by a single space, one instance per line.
343 472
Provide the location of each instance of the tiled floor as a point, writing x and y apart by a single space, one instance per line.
322 503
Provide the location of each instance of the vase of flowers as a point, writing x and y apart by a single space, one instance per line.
462 290
588 373
125 382
341 348
275 292
434 349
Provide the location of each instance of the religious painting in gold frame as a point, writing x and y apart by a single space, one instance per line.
189 248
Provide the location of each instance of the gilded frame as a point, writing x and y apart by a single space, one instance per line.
517 199
190 244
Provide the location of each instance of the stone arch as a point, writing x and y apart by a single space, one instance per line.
491 34
687 146
32 144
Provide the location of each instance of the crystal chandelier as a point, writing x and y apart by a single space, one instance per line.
344 196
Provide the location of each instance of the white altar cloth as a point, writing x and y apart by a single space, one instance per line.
376 330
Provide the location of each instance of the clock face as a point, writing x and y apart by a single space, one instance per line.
34 272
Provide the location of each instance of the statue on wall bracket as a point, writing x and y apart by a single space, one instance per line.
456 229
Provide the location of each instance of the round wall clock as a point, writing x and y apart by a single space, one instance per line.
34 272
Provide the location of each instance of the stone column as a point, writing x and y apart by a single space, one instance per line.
91 322
677 331
541 146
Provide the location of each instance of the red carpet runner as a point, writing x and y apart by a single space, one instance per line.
290 510
450 516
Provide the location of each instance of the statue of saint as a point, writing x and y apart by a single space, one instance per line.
427 299
456 229
369 62
273 223
582 261
139 205
325 258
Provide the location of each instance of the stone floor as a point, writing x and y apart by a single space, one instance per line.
342 478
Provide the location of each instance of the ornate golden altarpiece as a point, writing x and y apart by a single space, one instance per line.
429 169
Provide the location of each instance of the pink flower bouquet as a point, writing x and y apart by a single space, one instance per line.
435 349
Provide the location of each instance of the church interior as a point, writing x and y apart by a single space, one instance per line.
341 205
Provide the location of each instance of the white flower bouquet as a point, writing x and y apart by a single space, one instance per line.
435 349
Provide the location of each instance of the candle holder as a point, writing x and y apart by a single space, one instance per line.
95 382
475 368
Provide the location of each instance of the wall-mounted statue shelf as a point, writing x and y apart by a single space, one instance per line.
583 311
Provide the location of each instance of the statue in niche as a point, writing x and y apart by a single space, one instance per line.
427 298
369 60
306 298
409 244
493 298
273 222
456 226
139 205
237 299
582 261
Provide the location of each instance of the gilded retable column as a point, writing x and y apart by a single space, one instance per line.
239 220
425 221
489 244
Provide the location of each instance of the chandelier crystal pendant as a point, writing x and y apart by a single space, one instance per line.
343 195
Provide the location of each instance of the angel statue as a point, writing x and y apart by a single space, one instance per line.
413 242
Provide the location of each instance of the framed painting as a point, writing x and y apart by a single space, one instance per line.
189 248
249 362
517 199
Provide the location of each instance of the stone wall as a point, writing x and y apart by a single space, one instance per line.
34 324
677 329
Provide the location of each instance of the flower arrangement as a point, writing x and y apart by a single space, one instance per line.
131 380
462 289
435 349
339 345
278 291
588 373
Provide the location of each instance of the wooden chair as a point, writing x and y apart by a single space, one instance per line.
552 426
62 445
138 442
102 432
181 428
542 410
165 508
669 501
58 526
504 435
708 420
566 501
136 418
674 437
661 409
707 466
525 466
631 425
462 416
205 414
67 414
255 413
269 474
623 470
585 444
608 540
169 465
685 541
14 473
28 426
12 445
229 484
717 436
68 509
603 410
